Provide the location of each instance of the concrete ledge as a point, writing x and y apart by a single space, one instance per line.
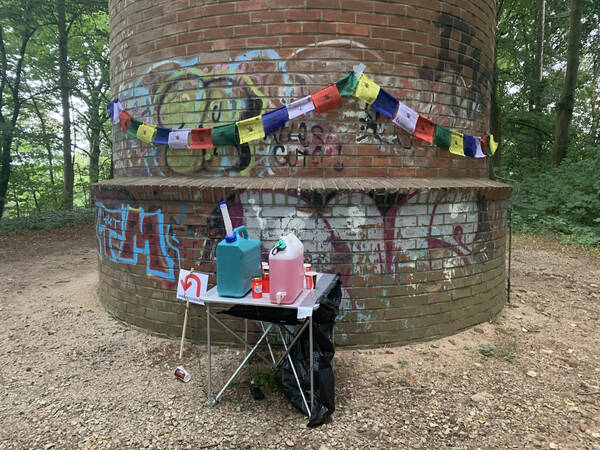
183 188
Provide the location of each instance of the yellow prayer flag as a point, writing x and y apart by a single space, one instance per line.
367 89
250 129
456 143
493 144
145 132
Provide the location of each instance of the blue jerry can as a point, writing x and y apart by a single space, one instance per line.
238 261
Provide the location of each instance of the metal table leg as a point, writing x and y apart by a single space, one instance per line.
293 369
211 400
238 337
246 335
262 326
312 374
243 363
296 337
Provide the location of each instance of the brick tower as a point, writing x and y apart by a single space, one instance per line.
417 233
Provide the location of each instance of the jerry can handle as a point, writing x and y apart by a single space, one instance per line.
279 245
241 231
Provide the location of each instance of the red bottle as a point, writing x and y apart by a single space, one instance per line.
257 289
265 280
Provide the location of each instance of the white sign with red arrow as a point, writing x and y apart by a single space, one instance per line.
191 286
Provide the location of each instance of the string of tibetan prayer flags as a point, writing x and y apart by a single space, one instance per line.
356 83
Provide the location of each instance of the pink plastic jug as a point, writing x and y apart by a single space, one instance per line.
286 270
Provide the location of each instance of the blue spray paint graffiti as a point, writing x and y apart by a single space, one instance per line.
125 233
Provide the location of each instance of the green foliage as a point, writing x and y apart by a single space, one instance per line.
262 377
508 351
565 200
486 350
47 221
33 145
523 128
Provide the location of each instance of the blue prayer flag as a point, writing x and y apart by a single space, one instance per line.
274 120
114 108
110 109
385 103
469 146
162 136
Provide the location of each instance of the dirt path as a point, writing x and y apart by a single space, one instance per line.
71 376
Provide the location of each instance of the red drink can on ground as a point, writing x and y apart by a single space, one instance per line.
257 287
182 374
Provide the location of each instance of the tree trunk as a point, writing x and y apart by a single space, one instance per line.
35 200
5 161
95 130
94 159
48 146
595 129
537 88
564 109
65 89
7 127
17 204
495 127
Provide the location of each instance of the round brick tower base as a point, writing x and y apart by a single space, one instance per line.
419 258
416 232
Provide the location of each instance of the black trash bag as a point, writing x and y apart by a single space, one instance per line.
323 351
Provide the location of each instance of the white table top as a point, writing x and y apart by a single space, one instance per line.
306 302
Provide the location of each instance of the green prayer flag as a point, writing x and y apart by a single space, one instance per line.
224 135
347 85
133 127
442 137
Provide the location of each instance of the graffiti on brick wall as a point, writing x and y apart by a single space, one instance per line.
305 145
357 234
464 230
463 63
382 243
190 93
377 242
365 235
128 235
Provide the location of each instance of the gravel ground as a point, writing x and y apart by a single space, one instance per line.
73 377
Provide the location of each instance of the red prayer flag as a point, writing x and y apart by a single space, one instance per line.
201 138
327 99
484 144
425 129
125 119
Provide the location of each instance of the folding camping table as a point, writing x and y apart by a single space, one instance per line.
305 305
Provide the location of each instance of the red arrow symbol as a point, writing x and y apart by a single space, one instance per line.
186 284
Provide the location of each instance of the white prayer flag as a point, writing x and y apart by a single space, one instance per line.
358 70
406 118
478 150
179 139
300 107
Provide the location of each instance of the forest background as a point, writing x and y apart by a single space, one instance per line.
55 133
